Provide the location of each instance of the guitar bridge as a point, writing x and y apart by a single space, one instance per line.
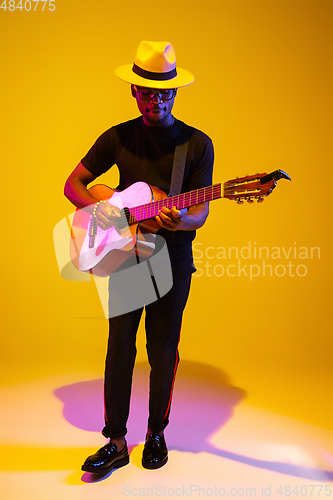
92 231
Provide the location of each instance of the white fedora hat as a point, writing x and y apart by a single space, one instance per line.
155 67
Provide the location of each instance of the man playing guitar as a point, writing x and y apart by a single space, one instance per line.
143 150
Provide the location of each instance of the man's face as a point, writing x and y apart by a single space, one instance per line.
154 107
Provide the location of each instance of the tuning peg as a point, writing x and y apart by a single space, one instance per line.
260 199
239 201
249 200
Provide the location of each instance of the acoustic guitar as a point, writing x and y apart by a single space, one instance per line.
101 252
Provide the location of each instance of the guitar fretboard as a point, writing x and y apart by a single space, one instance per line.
184 200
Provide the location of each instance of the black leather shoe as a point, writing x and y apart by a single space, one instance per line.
155 452
106 459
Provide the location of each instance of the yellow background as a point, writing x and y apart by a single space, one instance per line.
263 93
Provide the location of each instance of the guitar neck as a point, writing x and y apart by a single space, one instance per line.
184 200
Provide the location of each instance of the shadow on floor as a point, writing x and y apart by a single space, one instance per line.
203 402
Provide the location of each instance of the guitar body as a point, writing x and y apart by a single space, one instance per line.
113 246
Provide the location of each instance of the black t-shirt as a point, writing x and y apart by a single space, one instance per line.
144 153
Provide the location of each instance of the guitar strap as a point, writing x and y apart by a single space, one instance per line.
179 160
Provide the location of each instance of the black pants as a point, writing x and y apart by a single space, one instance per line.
163 324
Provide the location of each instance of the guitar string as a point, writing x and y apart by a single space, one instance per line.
183 200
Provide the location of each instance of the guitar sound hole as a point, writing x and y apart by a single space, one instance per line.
123 221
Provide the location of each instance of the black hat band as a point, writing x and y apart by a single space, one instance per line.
150 75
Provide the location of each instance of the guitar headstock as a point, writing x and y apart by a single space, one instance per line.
252 187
